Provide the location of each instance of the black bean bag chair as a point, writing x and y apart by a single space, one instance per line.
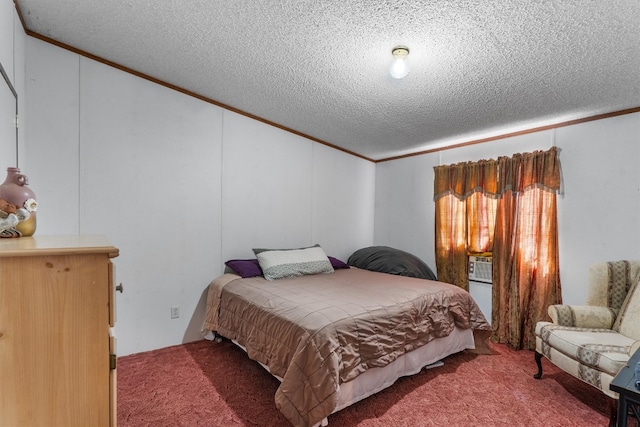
390 260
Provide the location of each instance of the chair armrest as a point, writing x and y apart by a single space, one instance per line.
582 316
634 347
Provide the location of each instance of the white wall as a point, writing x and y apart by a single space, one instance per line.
52 122
178 185
7 11
150 180
597 214
343 201
283 191
12 38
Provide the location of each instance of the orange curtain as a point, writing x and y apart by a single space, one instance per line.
451 241
526 274
465 196
481 220
507 207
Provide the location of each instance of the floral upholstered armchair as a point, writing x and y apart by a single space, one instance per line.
593 342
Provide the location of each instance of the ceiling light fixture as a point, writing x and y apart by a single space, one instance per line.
399 67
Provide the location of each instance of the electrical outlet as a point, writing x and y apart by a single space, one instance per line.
175 312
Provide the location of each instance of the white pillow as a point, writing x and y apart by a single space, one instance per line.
283 263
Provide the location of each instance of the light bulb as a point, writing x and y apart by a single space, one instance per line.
399 66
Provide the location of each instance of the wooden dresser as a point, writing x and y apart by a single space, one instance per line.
57 364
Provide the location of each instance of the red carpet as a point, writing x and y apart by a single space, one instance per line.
211 384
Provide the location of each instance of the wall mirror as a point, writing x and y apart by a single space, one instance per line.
8 125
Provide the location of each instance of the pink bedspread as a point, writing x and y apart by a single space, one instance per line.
316 332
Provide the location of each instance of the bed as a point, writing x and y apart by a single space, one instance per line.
336 337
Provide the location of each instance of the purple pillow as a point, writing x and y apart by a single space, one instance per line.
337 264
245 267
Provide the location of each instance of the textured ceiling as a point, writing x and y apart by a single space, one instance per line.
320 67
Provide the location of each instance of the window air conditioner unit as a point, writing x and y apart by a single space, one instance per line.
480 268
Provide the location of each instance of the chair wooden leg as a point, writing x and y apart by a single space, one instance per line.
613 412
538 375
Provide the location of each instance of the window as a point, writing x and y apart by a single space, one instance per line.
507 207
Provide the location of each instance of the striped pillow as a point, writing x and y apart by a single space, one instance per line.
283 263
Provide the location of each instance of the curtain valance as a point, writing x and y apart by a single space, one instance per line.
493 177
